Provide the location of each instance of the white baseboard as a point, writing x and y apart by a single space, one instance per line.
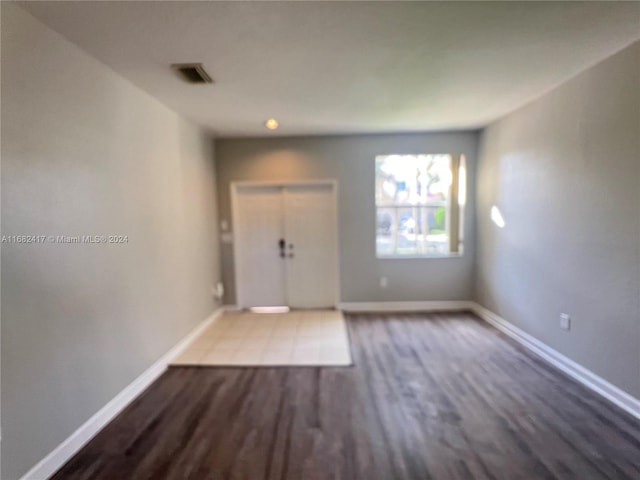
589 379
429 306
69 447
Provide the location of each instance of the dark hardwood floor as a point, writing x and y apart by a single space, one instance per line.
431 396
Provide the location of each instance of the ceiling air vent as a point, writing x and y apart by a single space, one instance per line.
192 72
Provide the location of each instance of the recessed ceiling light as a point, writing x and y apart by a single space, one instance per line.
271 124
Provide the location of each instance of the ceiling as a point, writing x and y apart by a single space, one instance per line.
350 67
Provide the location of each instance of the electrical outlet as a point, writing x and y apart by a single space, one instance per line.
565 321
384 282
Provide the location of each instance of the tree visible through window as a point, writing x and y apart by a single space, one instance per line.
418 205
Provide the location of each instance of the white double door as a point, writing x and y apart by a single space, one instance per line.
286 245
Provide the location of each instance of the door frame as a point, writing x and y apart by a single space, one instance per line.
237 254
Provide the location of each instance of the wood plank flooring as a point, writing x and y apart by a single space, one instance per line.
431 396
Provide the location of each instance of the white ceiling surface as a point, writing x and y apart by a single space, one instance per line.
327 67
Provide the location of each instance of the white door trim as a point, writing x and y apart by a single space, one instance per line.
237 254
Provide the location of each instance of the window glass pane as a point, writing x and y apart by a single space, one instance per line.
408 231
412 179
437 238
385 233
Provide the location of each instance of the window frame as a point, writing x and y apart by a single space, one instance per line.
454 209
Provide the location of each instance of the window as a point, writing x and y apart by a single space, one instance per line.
419 203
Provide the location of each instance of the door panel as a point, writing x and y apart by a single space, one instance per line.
305 216
309 224
261 270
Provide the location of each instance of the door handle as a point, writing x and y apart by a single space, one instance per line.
282 244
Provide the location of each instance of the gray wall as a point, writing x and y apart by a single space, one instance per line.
351 161
565 171
86 152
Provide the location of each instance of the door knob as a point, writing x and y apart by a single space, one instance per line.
282 244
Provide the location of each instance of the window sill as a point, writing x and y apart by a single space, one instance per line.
418 257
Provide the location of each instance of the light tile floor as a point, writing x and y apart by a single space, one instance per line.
298 338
